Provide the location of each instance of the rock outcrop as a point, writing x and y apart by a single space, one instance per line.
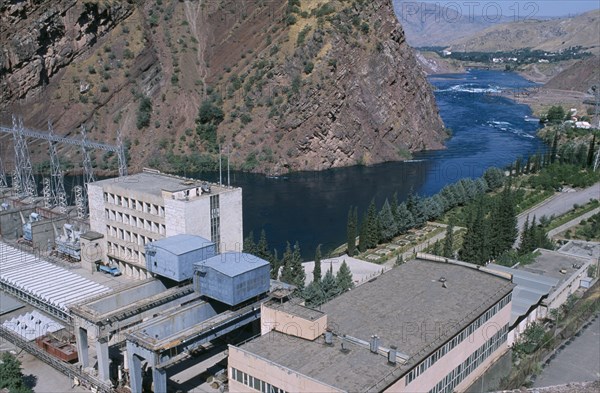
287 84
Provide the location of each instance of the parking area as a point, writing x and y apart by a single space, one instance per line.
578 361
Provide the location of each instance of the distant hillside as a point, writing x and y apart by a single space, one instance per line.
547 35
581 76
433 25
280 84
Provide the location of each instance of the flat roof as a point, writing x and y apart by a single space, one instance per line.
155 182
91 235
407 307
181 244
550 264
232 263
296 310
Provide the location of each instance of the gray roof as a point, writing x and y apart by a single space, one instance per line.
550 264
155 183
401 300
232 263
181 244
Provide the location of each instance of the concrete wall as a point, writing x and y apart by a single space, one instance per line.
43 233
276 375
11 225
232 225
280 321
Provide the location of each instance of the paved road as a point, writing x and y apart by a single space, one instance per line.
577 362
559 204
573 222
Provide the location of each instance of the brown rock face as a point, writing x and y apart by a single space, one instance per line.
41 37
301 85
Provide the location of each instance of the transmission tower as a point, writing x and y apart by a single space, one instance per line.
23 169
87 161
3 182
80 202
58 194
121 156
47 192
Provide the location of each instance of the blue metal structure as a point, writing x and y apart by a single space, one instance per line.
174 257
232 277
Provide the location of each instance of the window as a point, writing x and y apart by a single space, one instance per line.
215 221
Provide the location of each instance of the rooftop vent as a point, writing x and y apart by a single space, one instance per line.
374 343
343 348
328 337
563 271
442 279
392 355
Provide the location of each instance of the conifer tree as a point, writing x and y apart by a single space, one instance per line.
275 265
448 251
554 150
399 260
504 228
525 240
476 242
415 205
262 248
286 262
372 226
590 156
437 248
387 224
317 269
313 294
394 208
329 286
351 230
404 218
249 245
298 273
344 278
363 239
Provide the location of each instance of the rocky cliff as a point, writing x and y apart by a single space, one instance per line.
281 85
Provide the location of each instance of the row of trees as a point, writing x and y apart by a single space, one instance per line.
491 228
325 288
395 218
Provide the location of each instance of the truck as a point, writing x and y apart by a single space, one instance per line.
113 271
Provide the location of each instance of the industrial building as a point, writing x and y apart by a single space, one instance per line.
430 325
132 211
547 283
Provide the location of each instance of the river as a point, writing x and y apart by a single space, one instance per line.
311 207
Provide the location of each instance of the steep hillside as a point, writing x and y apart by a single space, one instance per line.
581 76
547 35
432 24
281 85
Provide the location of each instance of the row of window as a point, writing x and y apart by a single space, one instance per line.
125 253
456 376
254 383
128 236
134 221
134 204
460 337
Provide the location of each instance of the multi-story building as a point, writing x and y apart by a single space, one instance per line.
137 209
427 326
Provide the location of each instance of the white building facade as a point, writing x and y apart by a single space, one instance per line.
134 210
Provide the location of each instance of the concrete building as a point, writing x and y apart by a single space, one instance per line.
547 283
430 325
138 209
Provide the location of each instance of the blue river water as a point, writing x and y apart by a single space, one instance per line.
311 207
488 129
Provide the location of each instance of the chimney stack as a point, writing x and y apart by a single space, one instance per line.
392 354
328 337
374 343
